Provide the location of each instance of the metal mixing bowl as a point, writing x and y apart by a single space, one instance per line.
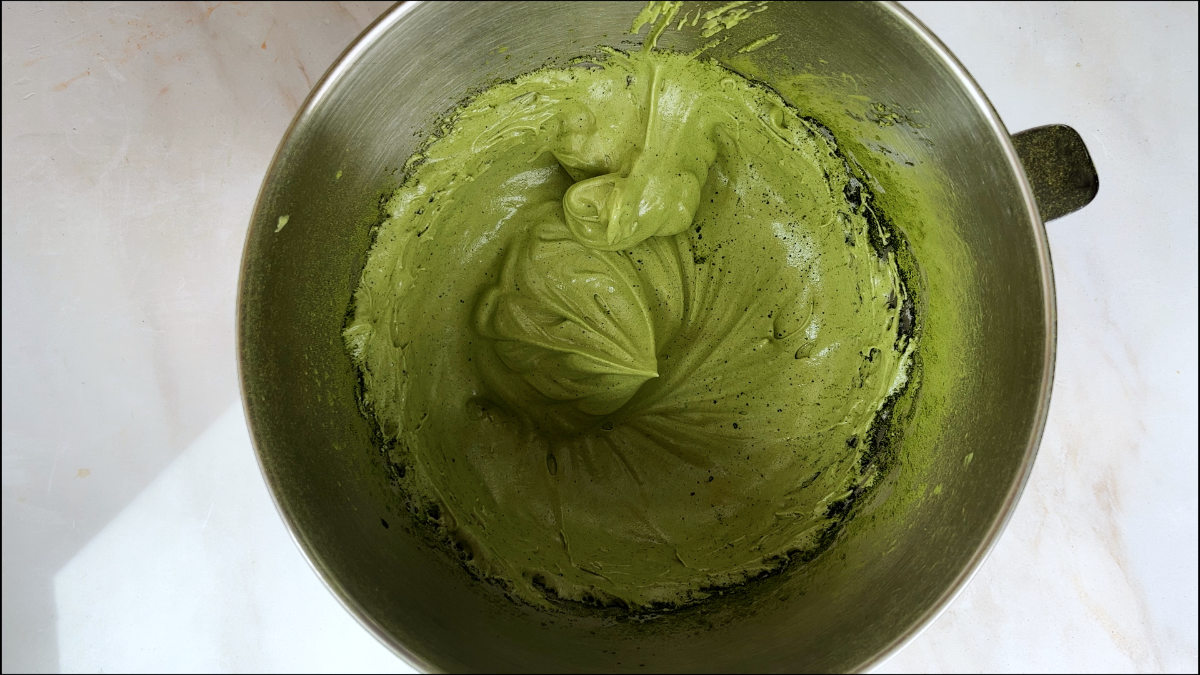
945 168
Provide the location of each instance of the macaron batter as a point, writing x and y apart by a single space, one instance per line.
628 329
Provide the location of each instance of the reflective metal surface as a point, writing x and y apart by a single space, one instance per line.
898 104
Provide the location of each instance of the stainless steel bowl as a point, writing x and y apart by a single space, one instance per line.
945 168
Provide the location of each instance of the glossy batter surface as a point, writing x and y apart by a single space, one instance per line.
627 329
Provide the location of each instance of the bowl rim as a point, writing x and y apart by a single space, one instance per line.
350 57
1004 514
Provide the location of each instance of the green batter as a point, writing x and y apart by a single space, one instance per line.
627 329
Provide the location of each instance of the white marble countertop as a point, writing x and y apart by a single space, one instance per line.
138 534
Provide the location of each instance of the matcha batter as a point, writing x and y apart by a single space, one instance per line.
627 329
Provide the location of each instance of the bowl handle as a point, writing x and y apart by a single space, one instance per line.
1059 169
